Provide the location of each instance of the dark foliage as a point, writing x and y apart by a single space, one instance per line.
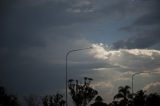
7 100
139 99
53 100
125 98
99 102
153 100
81 94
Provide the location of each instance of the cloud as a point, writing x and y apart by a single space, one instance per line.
124 76
142 40
133 59
144 28
151 17
35 39
25 20
83 6
152 87
102 85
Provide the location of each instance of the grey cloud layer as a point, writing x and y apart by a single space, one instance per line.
145 28
34 40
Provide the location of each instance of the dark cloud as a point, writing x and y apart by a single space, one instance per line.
142 40
148 19
145 29
34 38
118 9
22 22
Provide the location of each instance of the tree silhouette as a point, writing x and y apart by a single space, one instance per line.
81 94
139 99
124 96
7 100
153 100
54 100
113 103
99 102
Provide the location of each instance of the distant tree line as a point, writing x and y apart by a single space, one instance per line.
125 98
82 94
7 100
48 100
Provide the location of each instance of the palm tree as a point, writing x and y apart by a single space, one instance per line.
123 95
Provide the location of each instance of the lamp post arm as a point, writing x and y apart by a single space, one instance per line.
74 50
135 75
67 54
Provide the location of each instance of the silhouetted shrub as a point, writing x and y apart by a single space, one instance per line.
7 100
81 94
53 100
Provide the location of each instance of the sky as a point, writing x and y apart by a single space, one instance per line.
35 36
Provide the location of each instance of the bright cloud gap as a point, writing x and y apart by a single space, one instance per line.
133 59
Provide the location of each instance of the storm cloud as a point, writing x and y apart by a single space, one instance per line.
145 29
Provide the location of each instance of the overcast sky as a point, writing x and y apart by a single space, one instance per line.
35 36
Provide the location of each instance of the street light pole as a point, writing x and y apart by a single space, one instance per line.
132 82
136 74
140 73
133 77
67 54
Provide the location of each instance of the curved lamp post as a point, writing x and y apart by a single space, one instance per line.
67 54
140 73
135 75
